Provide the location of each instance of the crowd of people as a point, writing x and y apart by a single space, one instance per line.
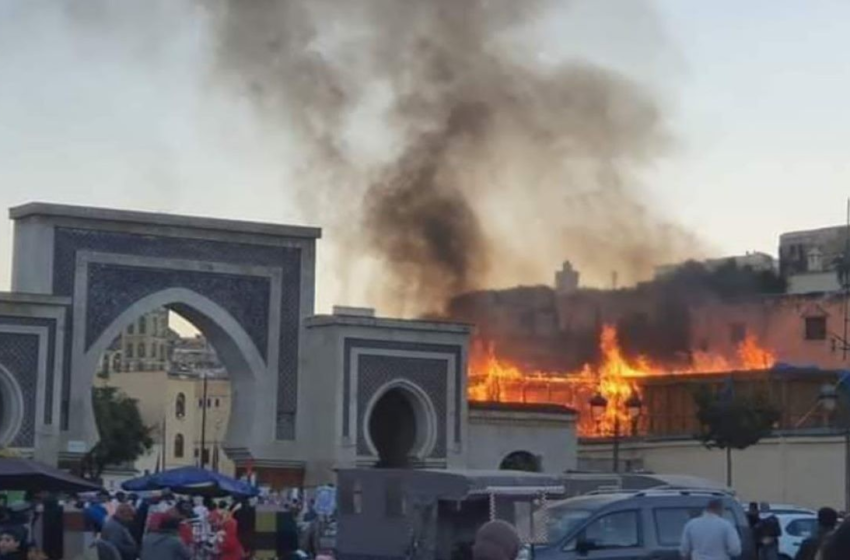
126 527
156 526
711 537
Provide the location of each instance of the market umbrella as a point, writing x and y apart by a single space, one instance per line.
193 481
24 474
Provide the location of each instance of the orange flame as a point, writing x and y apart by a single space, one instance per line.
615 378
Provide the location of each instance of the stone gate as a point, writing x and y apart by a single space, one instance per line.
309 396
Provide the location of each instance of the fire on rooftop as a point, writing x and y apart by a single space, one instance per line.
616 377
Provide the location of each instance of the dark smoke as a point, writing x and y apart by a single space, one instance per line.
494 166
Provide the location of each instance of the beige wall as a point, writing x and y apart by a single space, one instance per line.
157 393
495 434
806 471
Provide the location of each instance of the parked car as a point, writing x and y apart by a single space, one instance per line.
630 525
768 509
796 527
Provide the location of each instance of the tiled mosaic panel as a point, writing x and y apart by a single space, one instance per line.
354 343
19 355
68 241
428 373
50 324
114 288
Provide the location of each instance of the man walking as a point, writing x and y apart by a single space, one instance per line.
116 530
710 537
827 520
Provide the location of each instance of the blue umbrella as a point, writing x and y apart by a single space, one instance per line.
192 481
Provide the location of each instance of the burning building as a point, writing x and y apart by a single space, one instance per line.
659 341
616 377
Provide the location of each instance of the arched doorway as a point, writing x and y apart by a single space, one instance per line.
11 407
521 461
182 393
392 427
400 426
210 440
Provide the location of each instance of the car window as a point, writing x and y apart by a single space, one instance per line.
615 530
560 522
803 528
670 522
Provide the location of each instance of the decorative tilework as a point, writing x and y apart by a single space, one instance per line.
50 324
114 288
352 344
19 355
429 374
68 241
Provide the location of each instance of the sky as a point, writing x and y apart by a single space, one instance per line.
755 95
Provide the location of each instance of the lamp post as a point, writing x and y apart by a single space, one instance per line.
599 404
829 400
203 459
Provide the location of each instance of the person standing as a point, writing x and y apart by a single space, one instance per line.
767 538
710 537
12 543
496 540
827 520
164 543
231 548
95 513
837 545
116 530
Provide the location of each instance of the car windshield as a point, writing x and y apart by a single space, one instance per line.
559 521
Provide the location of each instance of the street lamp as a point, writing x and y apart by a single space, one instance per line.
633 405
598 404
829 400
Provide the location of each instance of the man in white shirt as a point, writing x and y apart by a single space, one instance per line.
710 537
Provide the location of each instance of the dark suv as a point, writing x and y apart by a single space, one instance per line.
643 525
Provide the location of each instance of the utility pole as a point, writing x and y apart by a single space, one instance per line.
204 420
843 273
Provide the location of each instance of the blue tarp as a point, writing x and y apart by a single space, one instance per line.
192 481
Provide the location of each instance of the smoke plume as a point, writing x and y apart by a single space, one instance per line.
445 149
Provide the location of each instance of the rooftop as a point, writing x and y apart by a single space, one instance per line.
542 408
383 323
107 215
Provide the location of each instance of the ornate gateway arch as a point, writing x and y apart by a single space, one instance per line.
308 395
92 272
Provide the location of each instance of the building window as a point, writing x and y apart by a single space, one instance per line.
200 403
142 350
815 328
178 446
737 332
129 352
217 403
105 366
180 405
209 403
143 325
197 453
116 362
131 328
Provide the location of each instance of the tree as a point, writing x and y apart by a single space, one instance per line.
123 435
729 421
